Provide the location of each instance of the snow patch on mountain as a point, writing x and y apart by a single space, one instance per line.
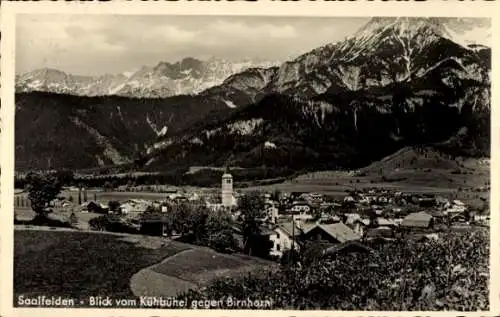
230 104
159 132
245 127
120 113
151 124
210 133
162 144
163 131
196 140
269 145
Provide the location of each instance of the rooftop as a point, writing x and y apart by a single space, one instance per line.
338 230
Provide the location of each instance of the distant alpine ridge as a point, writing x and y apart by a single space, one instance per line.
188 76
396 82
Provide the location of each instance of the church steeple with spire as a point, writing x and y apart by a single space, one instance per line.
227 189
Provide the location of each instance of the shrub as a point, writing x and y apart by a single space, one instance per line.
448 274
41 220
112 223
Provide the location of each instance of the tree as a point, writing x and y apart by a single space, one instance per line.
312 252
251 207
42 189
290 257
151 209
189 219
108 186
219 231
114 205
276 195
373 219
196 222
66 177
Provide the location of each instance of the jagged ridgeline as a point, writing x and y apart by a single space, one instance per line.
396 82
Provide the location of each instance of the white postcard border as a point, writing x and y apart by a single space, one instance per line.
9 10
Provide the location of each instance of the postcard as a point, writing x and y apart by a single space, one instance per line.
162 158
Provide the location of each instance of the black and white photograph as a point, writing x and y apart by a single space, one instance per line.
252 162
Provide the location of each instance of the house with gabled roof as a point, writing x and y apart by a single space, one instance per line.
333 233
285 236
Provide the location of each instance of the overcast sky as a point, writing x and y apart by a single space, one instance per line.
94 45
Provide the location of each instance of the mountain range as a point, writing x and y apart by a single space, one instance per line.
188 76
396 82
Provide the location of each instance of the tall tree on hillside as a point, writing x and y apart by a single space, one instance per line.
42 189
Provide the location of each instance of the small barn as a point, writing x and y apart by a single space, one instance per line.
155 224
95 208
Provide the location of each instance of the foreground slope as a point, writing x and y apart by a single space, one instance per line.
79 264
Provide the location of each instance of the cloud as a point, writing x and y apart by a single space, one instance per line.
246 31
93 44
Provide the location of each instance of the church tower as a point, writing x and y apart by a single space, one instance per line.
227 189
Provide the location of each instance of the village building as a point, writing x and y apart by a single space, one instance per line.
271 212
349 199
301 210
363 225
327 218
418 220
300 207
154 225
96 207
285 237
381 233
456 208
351 246
332 233
351 218
480 218
135 205
359 226
314 198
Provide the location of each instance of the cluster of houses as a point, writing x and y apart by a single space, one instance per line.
363 215
289 219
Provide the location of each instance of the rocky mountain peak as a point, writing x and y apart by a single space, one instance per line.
187 76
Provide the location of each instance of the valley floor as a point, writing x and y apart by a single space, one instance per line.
467 179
